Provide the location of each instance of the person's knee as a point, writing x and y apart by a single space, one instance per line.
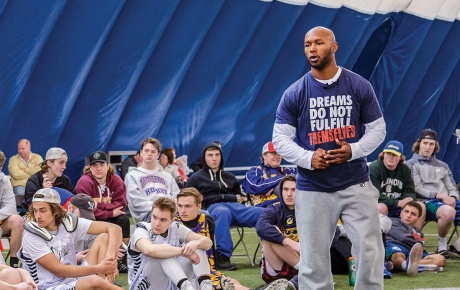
11 275
447 213
220 212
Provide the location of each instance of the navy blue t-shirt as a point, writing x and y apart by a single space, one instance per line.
321 114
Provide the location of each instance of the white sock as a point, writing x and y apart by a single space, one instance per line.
404 265
442 244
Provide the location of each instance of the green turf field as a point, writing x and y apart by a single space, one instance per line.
250 276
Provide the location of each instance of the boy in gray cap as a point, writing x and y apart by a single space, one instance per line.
50 175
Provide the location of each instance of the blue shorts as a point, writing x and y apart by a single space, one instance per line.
391 248
434 204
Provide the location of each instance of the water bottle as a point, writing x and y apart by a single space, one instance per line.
430 267
351 271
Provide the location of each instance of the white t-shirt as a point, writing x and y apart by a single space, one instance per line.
137 261
62 246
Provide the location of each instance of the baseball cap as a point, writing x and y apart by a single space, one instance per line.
429 134
47 195
268 147
55 153
98 156
85 204
394 147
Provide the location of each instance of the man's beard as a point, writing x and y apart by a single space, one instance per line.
325 61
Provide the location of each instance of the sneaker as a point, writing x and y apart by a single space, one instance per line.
187 286
444 253
221 262
454 250
226 283
122 268
206 285
291 286
415 256
279 284
116 283
386 274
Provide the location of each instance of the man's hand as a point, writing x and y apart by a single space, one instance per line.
402 202
118 211
189 249
108 265
317 160
449 200
46 182
337 156
269 192
194 258
295 246
81 255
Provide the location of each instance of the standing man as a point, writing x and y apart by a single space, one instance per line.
21 166
326 112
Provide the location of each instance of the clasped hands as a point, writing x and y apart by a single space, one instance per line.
322 159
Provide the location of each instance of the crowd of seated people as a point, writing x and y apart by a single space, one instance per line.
183 236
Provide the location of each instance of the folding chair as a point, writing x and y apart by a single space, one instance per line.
240 240
455 231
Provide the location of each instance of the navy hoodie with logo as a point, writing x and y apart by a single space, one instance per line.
217 186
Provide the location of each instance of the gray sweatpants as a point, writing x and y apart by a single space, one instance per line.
317 214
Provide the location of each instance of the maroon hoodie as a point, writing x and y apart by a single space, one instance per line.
113 196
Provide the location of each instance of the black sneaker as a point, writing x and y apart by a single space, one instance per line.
444 253
223 263
116 283
122 268
454 250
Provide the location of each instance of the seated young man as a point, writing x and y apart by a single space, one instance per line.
435 186
165 254
48 247
260 181
392 177
51 175
11 224
15 279
404 242
221 193
188 209
278 230
148 182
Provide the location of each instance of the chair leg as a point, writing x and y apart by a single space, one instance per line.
240 231
455 231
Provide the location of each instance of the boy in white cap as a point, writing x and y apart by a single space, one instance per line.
50 175
48 248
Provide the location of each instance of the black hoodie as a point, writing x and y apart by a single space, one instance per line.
215 187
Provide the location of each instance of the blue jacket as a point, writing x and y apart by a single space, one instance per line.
260 180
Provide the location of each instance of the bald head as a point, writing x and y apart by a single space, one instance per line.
323 32
320 47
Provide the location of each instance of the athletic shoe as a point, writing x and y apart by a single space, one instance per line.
386 274
121 266
444 253
454 250
222 262
206 285
226 283
415 256
291 286
117 284
279 284
187 286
